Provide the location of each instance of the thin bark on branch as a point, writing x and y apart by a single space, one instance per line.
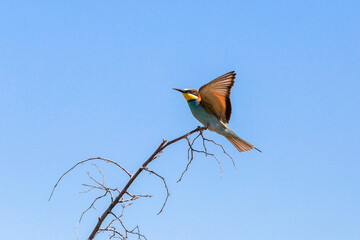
161 147
87 160
165 185
115 233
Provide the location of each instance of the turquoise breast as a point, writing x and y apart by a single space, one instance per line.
204 117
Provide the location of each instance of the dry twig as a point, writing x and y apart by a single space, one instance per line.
125 202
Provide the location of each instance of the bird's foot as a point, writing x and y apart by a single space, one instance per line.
205 127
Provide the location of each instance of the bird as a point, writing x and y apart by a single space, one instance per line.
211 106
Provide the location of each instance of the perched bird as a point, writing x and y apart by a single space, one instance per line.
212 107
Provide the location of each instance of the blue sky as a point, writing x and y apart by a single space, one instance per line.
80 80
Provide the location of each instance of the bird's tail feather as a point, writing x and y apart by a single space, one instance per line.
240 144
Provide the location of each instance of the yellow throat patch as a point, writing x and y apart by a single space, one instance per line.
189 96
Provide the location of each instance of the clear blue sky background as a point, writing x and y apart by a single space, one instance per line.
85 79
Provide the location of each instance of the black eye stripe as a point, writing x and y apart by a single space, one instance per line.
192 92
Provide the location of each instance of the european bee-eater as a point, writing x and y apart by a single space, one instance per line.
212 107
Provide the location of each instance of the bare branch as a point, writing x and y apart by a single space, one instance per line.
160 148
89 159
191 151
92 205
130 198
218 144
167 190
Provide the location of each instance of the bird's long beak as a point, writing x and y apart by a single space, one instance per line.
178 89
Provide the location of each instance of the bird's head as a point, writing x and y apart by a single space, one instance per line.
189 94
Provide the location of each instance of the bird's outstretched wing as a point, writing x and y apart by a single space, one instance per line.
215 96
